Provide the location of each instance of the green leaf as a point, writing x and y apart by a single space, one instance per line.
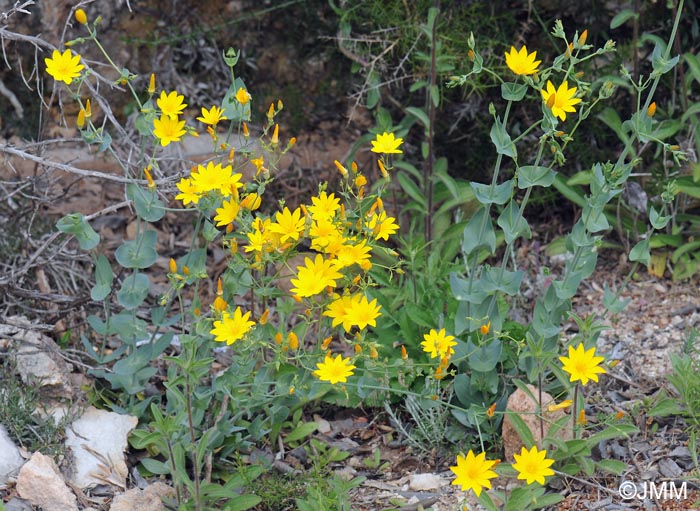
233 110
513 91
535 175
498 279
611 302
76 225
302 431
134 290
613 431
683 249
139 253
520 498
420 115
501 139
622 17
484 358
242 502
479 233
146 202
665 407
155 466
640 252
105 141
660 64
103 279
612 466
521 429
657 221
488 194
513 224
412 190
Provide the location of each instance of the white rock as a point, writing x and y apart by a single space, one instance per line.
98 440
39 361
423 482
40 482
148 499
10 459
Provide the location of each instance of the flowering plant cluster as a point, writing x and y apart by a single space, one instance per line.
305 285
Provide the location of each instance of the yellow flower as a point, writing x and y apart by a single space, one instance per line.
582 365
216 177
485 328
334 370
387 144
324 206
362 312
232 328
168 129
251 201
349 254
382 226
188 192
289 224
438 344
522 63
473 472
171 104
350 310
560 100
63 67
532 465
242 96
315 276
560 406
212 116
227 213
258 162
325 236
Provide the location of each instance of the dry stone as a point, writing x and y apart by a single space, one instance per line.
148 499
98 440
40 482
10 459
525 407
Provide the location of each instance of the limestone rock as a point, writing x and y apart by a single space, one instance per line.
10 459
40 482
525 407
426 482
148 499
98 440
39 361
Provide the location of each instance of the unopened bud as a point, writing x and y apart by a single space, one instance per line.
172 265
652 109
271 112
275 135
293 341
81 17
582 38
246 133
343 170
152 84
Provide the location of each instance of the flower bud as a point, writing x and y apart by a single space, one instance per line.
582 38
172 265
293 341
652 109
343 170
275 136
152 84
80 122
81 17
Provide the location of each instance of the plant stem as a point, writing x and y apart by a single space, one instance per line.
193 440
430 104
